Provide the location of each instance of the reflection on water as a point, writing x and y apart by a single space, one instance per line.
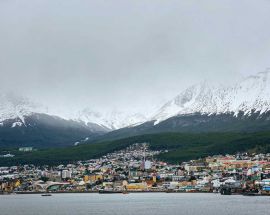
134 203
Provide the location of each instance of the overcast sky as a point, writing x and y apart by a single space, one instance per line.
128 54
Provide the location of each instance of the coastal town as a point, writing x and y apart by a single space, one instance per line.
137 169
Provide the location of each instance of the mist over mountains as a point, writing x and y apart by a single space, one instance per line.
205 107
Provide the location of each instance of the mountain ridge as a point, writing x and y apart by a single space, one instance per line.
242 107
249 95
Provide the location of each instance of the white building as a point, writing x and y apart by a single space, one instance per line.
66 174
147 165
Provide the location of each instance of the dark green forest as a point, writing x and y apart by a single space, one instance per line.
181 147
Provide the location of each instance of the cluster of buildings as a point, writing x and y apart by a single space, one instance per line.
137 169
21 149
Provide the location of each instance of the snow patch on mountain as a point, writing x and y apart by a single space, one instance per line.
111 120
248 95
15 124
14 107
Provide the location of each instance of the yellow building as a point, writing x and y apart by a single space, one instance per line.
92 178
137 186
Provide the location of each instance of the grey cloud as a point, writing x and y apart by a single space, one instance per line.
127 54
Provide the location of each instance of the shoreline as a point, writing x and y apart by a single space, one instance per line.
97 192
73 192
145 192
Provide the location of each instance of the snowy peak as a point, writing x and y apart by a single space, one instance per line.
17 107
250 94
197 98
110 120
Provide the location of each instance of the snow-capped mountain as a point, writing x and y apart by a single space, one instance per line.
242 107
111 120
14 107
249 95
17 108
27 123
200 108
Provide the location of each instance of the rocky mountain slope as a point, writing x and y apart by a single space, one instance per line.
243 107
26 123
249 95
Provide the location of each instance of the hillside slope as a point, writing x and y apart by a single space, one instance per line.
43 131
182 147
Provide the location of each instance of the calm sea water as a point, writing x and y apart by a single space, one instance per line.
134 203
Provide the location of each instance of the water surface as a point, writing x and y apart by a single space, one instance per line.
134 203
